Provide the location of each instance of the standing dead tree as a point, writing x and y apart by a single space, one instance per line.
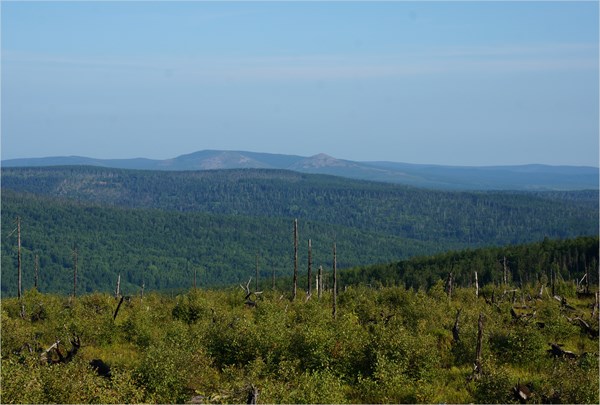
36 265
477 369
118 288
320 282
449 284
309 268
256 274
74 271
19 257
334 282
19 272
18 231
295 259
505 268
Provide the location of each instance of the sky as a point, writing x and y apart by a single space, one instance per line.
453 83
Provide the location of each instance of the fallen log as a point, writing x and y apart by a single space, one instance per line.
522 392
557 351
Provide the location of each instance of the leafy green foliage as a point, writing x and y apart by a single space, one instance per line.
387 345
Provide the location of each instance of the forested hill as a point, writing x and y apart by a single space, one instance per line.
163 249
158 228
450 219
519 265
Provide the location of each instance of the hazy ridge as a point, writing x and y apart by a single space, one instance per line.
521 177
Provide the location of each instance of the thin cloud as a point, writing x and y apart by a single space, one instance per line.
488 59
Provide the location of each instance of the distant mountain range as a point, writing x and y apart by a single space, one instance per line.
522 177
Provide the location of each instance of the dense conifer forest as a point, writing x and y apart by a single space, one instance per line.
159 228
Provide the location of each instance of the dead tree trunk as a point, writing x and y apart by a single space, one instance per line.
256 274
75 345
142 292
118 288
295 259
36 265
309 268
19 291
477 369
334 282
587 280
249 302
74 271
118 307
505 267
449 283
476 286
320 282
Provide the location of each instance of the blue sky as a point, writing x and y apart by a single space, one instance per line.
460 83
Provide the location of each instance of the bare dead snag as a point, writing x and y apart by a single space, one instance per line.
449 282
74 271
295 259
320 282
256 274
118 307
249 302
75 345
309 267
44 357
477 370
19 291
36 265
19 288
584 326
476 286
118 287
334 282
